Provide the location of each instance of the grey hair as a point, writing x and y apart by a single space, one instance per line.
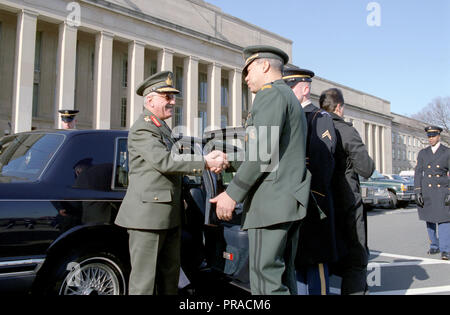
148 97
275 64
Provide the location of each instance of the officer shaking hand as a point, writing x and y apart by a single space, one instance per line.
152 208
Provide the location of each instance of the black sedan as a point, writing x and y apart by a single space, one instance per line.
60 192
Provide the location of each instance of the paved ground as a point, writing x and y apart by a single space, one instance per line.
399 263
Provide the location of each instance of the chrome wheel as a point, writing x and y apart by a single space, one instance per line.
93 276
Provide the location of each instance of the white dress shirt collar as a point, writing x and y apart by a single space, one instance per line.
306 103
436 147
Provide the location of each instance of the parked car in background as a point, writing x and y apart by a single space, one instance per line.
60 192
400 192
407 174
407 179
374 196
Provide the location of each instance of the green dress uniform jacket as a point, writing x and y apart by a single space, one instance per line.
281 195
276 191
432 181
153 198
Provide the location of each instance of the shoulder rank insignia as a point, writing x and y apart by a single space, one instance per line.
153 119
326 134
156 122
269 86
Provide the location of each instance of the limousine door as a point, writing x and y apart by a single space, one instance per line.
226 244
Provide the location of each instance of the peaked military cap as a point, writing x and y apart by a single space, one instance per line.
161 82
292 75
433 131
68 115
252 53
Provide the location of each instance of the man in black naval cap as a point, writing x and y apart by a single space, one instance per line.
152 208
432 192
68 118
317 240
276 192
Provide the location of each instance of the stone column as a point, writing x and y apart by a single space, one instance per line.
377 149
382 149
165 63
136 59
214 106
22 100
102 80
235 79
66 68
363 131
388 150
190 97
165 60
370 140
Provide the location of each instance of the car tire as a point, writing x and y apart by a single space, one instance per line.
393 200
403 204
87 273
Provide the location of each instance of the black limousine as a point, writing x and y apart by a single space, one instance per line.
59 194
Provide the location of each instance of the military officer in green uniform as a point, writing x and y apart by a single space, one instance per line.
276 197
151 209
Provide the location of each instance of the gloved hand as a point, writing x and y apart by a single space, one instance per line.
447 200
419 200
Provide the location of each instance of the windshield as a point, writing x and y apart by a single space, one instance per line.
377 175
24 157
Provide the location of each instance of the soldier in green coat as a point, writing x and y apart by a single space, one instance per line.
151 209
276 192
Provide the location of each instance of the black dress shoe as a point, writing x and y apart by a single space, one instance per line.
434 251
445 255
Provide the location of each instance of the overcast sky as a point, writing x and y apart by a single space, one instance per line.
398 50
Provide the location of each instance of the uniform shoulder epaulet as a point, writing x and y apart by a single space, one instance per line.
265 87
153 119
324 113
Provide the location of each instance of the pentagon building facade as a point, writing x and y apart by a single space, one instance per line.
90 55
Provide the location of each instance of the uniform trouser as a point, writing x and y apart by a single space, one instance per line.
155 261
313 280
439 234
272 256
354 264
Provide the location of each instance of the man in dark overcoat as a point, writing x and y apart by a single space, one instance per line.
352 160
317 239
432 192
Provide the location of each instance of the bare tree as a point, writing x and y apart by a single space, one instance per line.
436 113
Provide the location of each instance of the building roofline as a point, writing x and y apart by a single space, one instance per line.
121 9
220 11
351 89
161 23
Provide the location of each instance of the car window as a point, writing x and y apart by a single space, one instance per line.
377 175
87 161
24 157
121 164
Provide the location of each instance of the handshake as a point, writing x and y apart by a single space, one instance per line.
216 161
